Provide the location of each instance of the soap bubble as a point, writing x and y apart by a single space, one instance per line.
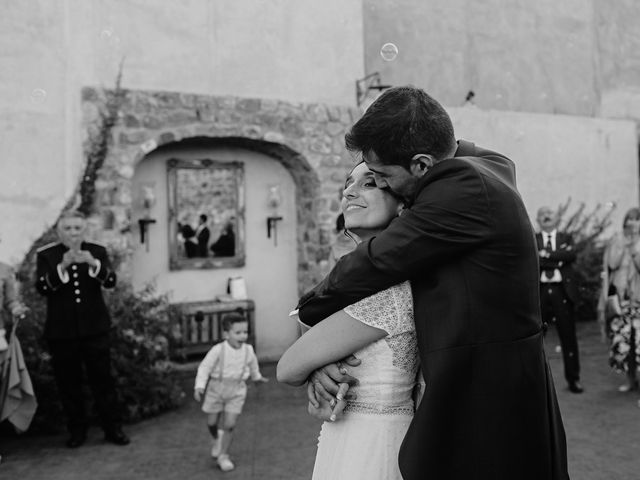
106 34
38 95
389 52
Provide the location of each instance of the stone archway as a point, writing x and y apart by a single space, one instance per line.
307 139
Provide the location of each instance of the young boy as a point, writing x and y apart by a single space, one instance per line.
226 367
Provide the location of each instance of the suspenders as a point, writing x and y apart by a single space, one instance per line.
244 364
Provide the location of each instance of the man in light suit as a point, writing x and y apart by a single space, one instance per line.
71 275
558 290
465 241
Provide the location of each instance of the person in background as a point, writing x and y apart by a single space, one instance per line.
622 277
10 304
71 274
189 238
225 245
558 290
202 235
221 380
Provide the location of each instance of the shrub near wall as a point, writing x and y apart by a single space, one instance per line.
586 228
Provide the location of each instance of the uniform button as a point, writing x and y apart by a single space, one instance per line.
41 278
74 267
550 291
76 283
75 275
78 300
77 292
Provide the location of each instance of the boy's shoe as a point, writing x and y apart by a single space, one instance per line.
225 463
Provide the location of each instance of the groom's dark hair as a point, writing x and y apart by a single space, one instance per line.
402 122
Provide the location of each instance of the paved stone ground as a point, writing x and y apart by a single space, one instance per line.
276 440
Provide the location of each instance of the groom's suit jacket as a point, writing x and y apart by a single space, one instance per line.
466 243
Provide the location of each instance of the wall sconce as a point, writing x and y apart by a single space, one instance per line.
148 201
366 84
274 200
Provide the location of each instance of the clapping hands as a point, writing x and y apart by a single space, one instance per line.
78 256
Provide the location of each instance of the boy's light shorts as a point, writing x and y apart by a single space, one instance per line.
224 396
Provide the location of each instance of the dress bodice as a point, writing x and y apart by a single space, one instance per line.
389 366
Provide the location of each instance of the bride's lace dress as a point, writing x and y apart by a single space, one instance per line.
364 443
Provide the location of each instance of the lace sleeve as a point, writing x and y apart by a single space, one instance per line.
385 310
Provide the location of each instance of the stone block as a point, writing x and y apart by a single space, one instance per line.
321 145
133 138
334 128
168 99
268 105
248 105
252 131
225 103
274 137
291 126
131 121
152 121
181 117
166 137
317 113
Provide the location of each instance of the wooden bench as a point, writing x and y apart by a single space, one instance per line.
200 325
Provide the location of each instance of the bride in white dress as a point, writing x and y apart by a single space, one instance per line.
363 442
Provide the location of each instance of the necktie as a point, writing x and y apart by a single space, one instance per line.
549 248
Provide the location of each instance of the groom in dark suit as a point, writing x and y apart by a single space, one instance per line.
466 243
559 291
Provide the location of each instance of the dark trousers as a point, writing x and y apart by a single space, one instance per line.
69 357
557 309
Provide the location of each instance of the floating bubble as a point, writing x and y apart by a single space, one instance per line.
389 52
610 205
106 34
38 95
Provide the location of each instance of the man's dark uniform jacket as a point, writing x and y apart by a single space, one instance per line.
489 410
76 308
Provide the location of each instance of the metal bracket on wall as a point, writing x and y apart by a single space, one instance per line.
366 84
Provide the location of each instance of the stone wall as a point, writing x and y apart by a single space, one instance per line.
308 139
